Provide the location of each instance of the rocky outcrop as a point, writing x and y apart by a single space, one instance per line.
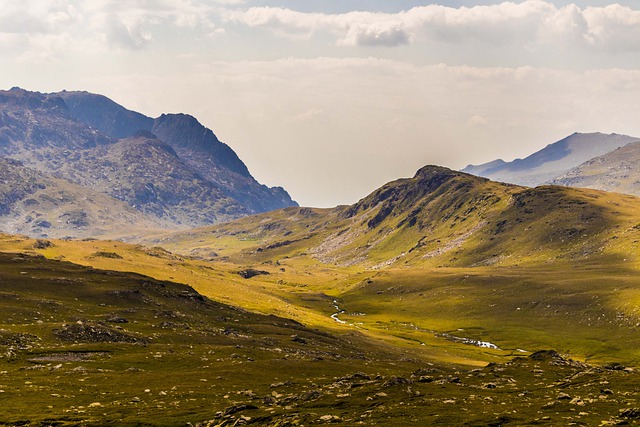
217 162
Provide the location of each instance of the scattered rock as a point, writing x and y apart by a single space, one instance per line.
42 244
631 413
114 318
396 381
330 418
102 254
296 338
238 408
251 272
92 333
546 355
310 395
577 401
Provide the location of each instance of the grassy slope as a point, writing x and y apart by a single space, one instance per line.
181 354
521 268
201 362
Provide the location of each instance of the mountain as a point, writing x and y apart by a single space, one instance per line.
171 169
104 115
218 163
556 159
617 171
41 206
439 217
193 143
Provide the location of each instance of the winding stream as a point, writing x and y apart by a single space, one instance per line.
463 340
334 316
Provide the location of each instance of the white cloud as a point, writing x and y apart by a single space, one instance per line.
534 23
131 36
387 34
45 48
614 27
104 24
36 16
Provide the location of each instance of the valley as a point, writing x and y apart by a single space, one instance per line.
87 346
440 337
439 299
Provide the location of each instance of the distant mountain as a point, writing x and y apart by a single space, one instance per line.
193 143
556 159
173 170
617 171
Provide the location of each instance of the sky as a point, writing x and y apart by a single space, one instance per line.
332 98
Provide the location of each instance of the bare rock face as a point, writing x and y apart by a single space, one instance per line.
43 206
172 170
218 163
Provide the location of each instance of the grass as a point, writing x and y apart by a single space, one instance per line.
207 363
462 262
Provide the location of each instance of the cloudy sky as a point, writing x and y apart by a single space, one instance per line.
332 98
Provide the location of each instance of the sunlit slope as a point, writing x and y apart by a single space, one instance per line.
418 260
444 255
439 218
82 346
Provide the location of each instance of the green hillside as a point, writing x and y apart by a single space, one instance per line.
428 300
82 346
445 253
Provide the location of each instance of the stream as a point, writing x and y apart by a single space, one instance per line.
463 340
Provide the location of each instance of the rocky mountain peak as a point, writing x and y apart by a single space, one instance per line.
105 115
187 135
172 169
554 160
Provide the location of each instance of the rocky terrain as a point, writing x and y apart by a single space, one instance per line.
617 171
556 159
181 176
39 205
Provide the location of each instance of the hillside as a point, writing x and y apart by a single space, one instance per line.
616 171
184 179
41 206
447 255
384 311
437 218
94 347
552 161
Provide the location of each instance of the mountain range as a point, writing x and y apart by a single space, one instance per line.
171 170
382 312
556 161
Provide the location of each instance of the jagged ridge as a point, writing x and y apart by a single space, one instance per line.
185 178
